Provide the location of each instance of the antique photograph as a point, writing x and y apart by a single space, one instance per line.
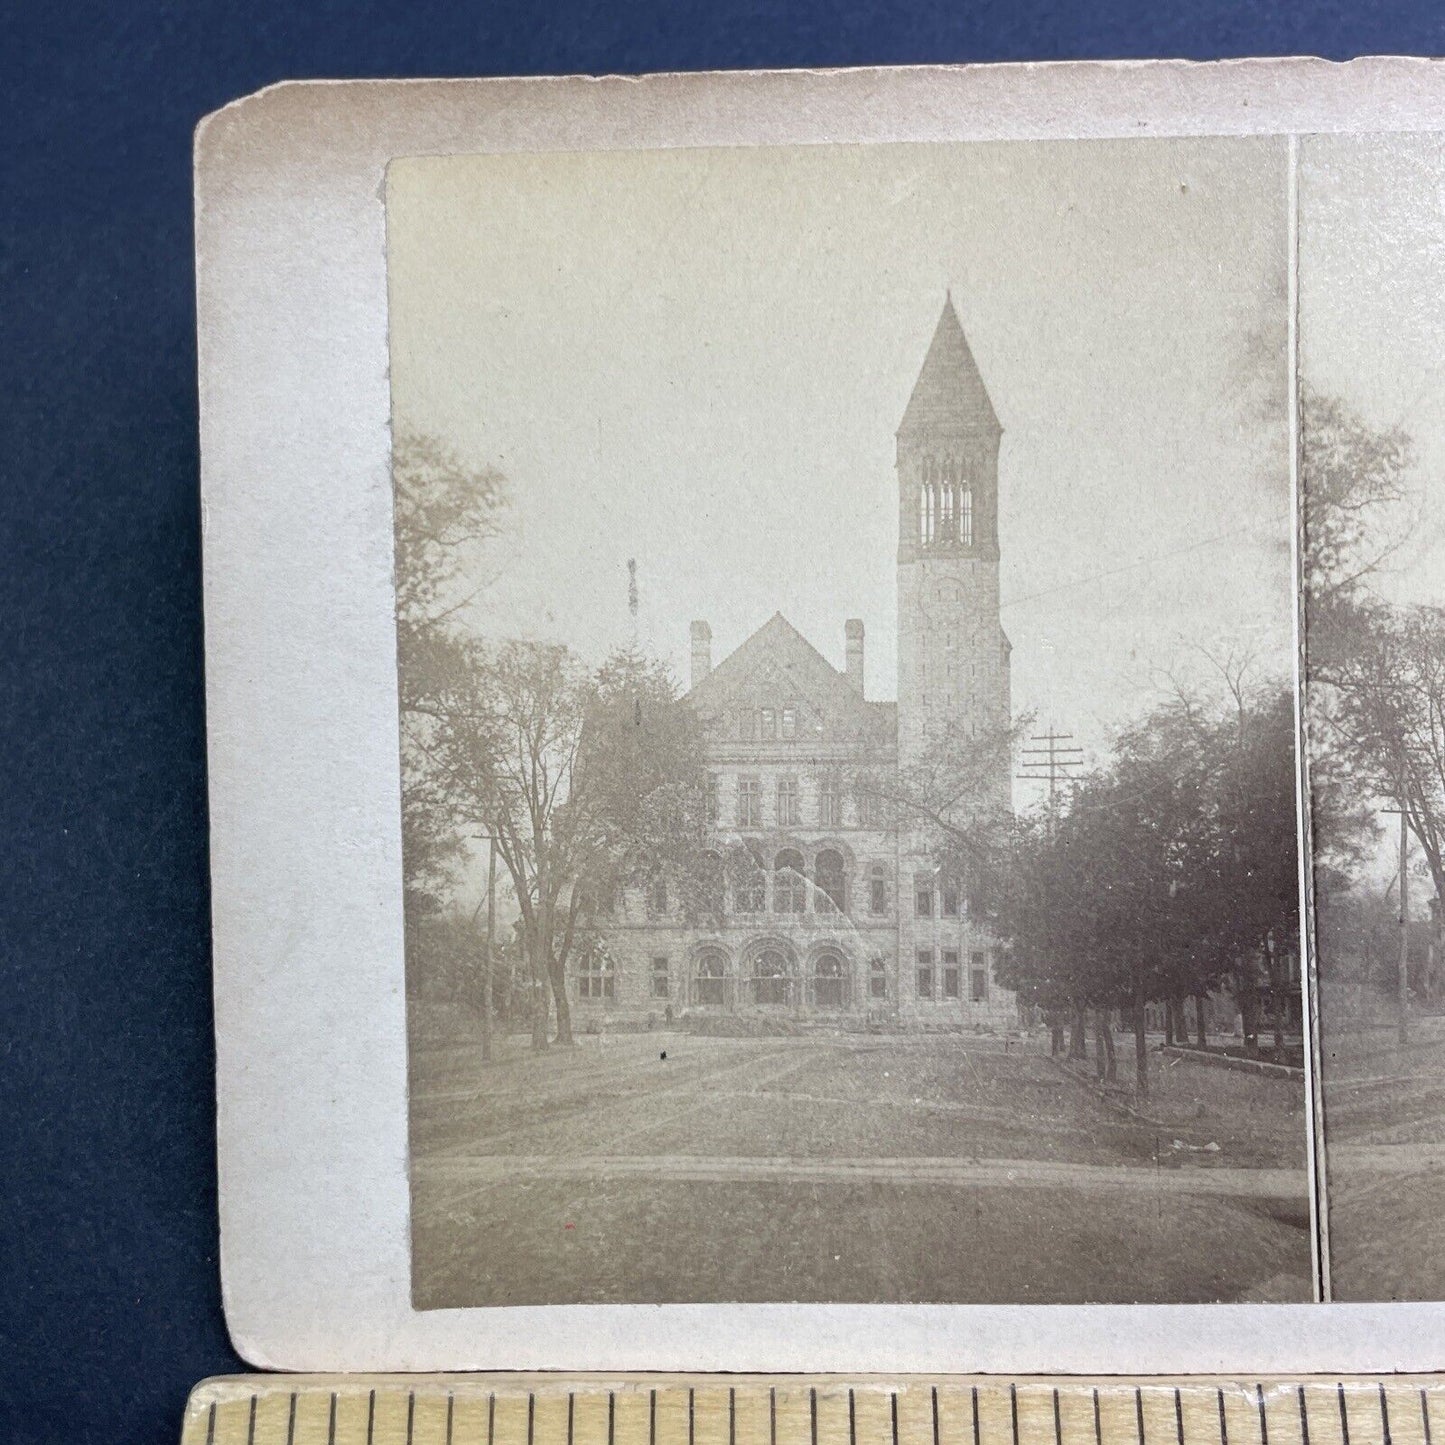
845 642
1372 385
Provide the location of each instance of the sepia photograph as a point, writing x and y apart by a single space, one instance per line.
1372 385
845 638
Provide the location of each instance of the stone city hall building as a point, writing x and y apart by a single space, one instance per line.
846 914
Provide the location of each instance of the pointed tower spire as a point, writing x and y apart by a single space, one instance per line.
949 398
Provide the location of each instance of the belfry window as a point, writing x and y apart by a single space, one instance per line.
965 521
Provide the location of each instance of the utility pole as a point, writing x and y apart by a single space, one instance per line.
490 955
1052 763
1402 982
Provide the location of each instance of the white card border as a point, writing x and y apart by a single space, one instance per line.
301 708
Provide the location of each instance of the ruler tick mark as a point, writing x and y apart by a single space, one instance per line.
773 1416
1263 1421
1344 1418
812 1415
410 1413
1058 1424
531 1414
852 1419
1013 1405
894 1398
1139 1412
571 1404
1304 1418
1223 1423
491 1416
291 1421
612 1416
211 1424
1178 1417
935 1415
251 1424
450 1403
690 1420
1425 1415
652 1417
370 1416
1098 1432
1384 1415
732 1415
975 1416
331 1422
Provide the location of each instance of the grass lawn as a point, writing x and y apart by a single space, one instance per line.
1385 1159
888 1168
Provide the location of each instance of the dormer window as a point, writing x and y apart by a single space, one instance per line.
769 718
790 722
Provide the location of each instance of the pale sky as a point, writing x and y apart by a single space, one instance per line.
699 359
1372 310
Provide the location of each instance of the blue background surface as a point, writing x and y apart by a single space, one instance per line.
109 1295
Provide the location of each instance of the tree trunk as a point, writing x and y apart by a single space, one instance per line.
1276 1010
1111 1073
1200 1031
1077 1051
538 989
1056 1039
491 951
557 973
1141 1056
1248 1021
1105 1066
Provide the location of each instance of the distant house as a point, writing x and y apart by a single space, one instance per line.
844 914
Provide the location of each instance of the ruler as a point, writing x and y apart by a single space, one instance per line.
542 1409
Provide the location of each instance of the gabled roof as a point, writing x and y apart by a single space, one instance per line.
949 395
778 664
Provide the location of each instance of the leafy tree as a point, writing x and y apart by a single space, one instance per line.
588 781
1166 873
444 514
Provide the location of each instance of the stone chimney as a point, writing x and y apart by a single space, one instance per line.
701 651
853 631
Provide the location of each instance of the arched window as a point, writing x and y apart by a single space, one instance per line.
710 979
928 507
790 882
829 981
966 520
831 883
750 883
771 981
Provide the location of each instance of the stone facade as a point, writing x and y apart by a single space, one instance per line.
846 918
